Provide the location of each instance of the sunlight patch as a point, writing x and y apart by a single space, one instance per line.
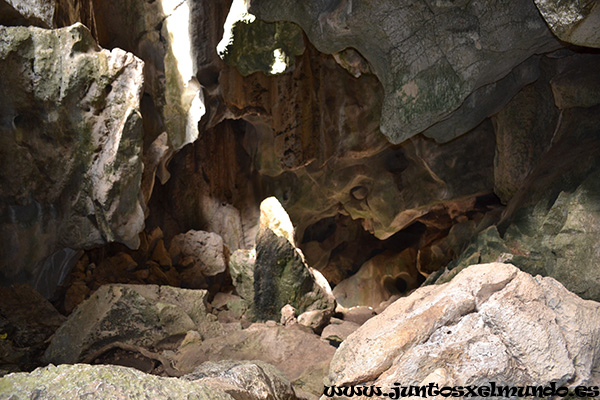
279 65
238 12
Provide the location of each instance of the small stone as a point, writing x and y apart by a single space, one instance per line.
288 315
154 237
142 274
191 337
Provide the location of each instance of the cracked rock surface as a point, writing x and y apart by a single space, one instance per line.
492 322
429 55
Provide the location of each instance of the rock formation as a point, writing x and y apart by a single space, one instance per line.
491 323
74 381
129 316
280 274
71 146
397 143
575 23
429 56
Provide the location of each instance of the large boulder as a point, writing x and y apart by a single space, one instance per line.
241 269
81 381
280 274
205 253
429 56
491 323
244 380
70 146
292 350
130 316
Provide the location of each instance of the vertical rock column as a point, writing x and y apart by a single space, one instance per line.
70 146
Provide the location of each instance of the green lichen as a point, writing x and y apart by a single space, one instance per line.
254 43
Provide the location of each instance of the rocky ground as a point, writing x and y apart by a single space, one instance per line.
204 201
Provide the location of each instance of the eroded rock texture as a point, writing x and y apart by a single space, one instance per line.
244 380
574 22
550 224
492 323
76 381
129 317
71 137
27 321
429 56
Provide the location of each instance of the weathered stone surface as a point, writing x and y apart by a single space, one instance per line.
428 66
379 278
526 127
578 85
137 315
292 351
108 381
288 315
274 217
492 322
573 22
231 308
315 319
281 276
70 144
550 224
207 250
359 314
29 12
313 167
212 188
485 102
389 206
437 254
159 33
244 380
524 130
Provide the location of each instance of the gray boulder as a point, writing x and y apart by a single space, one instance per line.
429 55
280 274
130 317
82 381
244 380
492 322
576 22
71 140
